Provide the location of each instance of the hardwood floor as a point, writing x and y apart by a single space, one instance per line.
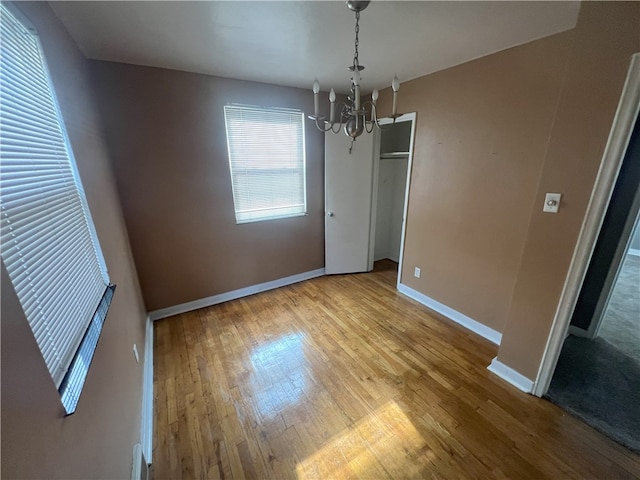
343 377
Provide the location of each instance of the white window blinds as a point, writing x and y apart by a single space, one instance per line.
48 244
267 162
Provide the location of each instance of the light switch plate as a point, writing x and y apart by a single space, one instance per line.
551 202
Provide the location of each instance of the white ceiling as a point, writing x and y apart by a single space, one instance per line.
291 43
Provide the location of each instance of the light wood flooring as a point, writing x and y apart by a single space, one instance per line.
343 377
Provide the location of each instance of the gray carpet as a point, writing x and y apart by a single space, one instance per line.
598 383
621 321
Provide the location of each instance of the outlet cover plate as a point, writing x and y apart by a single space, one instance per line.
551 202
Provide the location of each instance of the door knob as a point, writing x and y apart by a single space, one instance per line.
329 214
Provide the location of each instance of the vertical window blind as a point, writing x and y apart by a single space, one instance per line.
49 246
267 162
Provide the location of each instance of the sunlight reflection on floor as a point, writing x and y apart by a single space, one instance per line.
385 437
279 376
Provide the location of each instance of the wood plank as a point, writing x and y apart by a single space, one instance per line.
343 377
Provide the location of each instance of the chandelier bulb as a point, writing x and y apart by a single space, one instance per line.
374 95
316 101
395 85
332 111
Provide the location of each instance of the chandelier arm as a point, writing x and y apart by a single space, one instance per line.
371 122
377 120
374 118
385 127
333 127
374 112
367 129
323 128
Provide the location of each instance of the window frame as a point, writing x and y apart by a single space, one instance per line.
257 171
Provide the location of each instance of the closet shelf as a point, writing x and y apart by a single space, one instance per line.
394 154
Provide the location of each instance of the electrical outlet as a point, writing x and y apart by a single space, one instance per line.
135 353
416 272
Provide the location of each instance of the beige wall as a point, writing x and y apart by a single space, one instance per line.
97 440
481 135
167 137
493 136
607 34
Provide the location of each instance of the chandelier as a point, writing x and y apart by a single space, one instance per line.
353 113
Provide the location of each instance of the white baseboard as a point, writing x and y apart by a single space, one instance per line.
634 251
140 467
386 256
146 422
579 332
234 294
510 375
469 323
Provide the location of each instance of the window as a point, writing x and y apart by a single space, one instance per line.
49 246
267 162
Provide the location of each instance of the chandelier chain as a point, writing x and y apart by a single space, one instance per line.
355 116
355 55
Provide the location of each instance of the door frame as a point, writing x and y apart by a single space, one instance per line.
614 272
619 136
407 117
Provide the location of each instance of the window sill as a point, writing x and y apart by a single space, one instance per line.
72 383
255 220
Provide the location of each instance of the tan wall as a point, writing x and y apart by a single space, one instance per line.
97 440
493 136
607 34
481 135
167 137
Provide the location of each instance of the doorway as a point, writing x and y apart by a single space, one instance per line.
597 377
621 130
390 195
620 322
391 186
598 299
352 177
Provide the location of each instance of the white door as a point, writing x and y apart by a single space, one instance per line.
348 188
